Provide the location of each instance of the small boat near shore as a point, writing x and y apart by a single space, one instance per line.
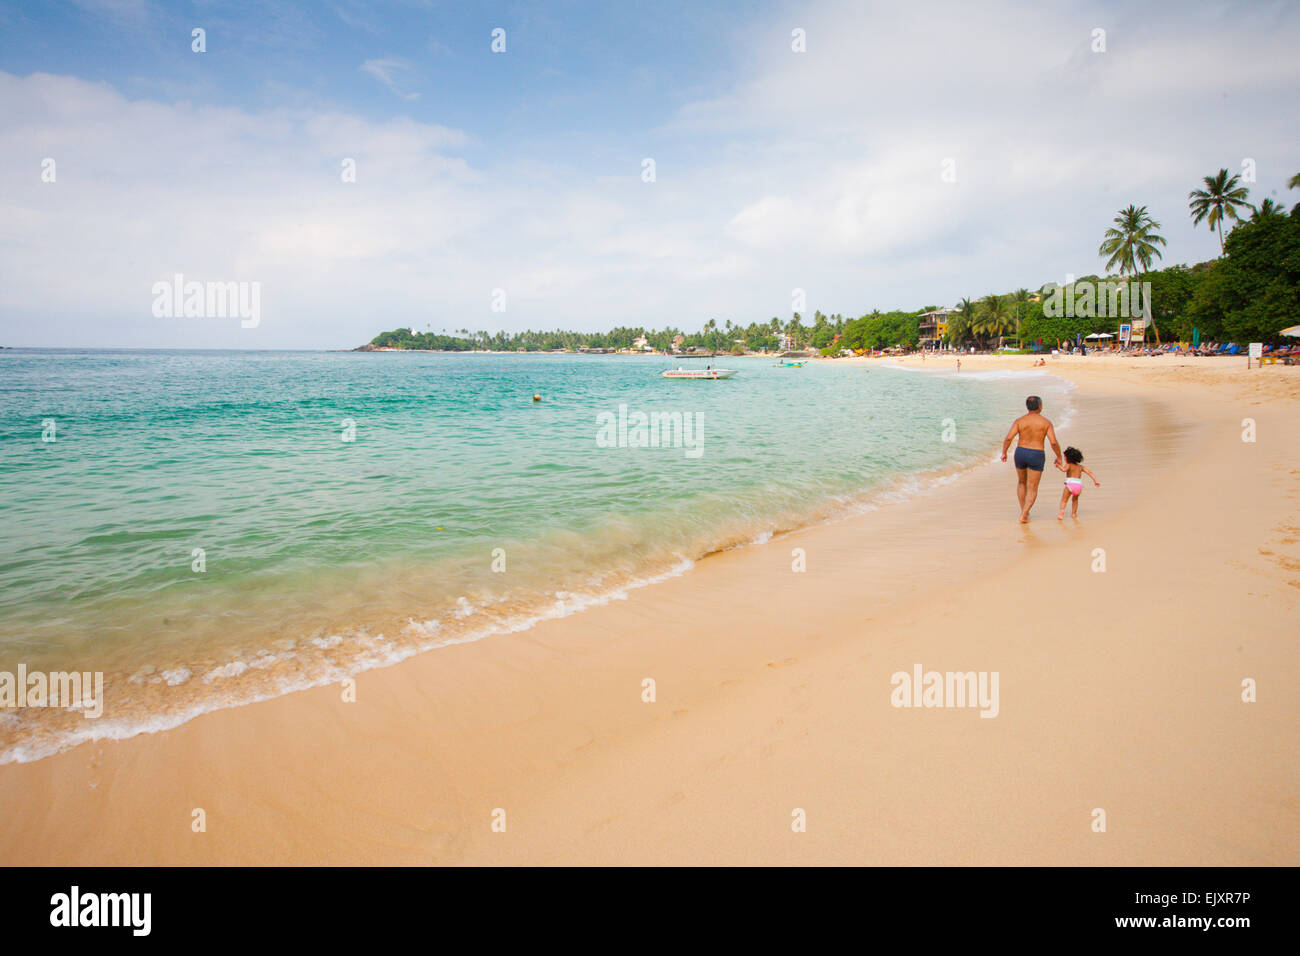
701 373
791 364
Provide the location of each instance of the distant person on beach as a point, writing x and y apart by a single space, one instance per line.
959 366
1029 430
1074 472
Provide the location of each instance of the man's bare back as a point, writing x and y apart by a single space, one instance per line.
1031 429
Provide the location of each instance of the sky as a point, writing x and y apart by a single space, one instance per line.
871 155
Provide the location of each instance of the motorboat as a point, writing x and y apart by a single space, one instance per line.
701 373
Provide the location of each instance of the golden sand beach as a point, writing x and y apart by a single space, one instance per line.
1120 690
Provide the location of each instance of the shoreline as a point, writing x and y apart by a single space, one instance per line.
394 637
766 681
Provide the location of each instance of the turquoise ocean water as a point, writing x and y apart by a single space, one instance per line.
212 528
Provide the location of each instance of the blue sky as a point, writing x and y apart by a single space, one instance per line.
521 171
595 71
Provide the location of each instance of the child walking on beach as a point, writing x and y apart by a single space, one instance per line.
1074 472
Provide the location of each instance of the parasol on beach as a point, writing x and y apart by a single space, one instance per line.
1294 332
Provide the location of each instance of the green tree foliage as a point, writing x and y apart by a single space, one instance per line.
993 318
961 324
1267 208
879 330
1171 294
1254 291
1052 331
1205 311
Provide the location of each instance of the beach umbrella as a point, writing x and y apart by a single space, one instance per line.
1293 332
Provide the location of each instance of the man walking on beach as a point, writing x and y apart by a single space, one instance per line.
1030 430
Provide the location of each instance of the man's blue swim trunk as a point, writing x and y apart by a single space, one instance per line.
1031 458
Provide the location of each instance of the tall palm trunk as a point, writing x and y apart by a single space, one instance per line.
1148 311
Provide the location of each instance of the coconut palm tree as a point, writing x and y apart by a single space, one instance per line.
1221 198
1295 182
1267 208
1132 241
966 309
959 323
994 319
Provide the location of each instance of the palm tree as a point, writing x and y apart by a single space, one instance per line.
966 309
1221 198
994 320
1267 208
1295 182
959 323
1131 241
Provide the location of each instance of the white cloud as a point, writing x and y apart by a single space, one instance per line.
845 143
146 189
386 71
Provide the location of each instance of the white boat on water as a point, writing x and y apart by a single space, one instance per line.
699 373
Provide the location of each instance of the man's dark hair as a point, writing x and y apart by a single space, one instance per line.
1033 403
1073 456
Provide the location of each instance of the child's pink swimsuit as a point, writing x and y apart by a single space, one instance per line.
1075 485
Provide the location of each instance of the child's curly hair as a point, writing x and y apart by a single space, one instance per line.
1073 456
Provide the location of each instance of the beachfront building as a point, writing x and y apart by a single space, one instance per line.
933 326
641 342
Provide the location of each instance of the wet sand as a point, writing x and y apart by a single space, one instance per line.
1119 690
